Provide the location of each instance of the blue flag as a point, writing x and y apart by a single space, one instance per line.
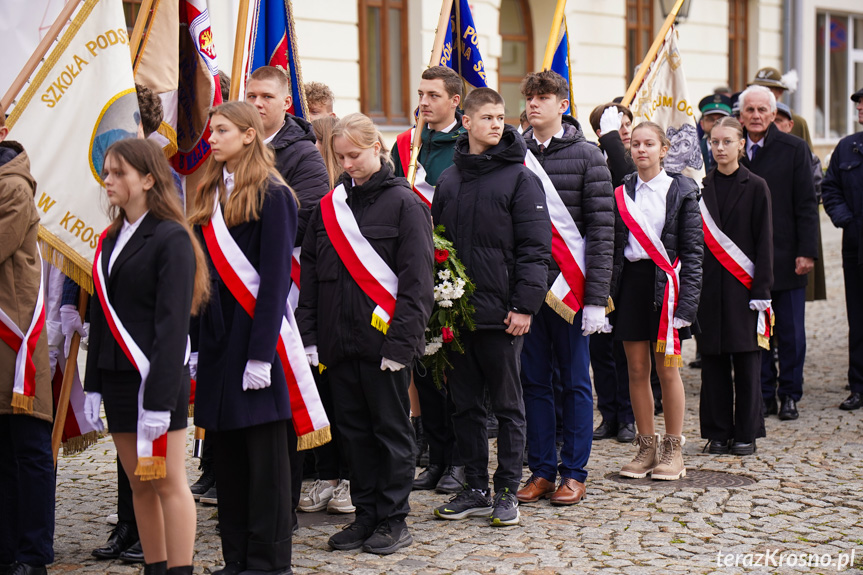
560 62
461 37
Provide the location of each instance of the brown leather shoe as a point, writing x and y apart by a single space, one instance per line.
536 488
570 492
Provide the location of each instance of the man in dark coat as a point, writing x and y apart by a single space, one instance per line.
842 192
494 211
784 162
577 171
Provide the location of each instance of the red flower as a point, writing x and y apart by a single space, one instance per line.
447 334
440 256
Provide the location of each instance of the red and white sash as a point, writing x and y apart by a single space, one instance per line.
151 454
566 296
365 265
737 264
24 384
641 229
243 281
294 293
422 188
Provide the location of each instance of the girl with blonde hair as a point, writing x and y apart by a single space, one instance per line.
323 128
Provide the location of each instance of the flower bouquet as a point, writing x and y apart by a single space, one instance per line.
451 312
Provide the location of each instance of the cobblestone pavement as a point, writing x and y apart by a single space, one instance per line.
806 499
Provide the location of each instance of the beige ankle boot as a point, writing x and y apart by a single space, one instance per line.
670 465
645 460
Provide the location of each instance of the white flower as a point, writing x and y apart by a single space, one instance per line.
445 303
444 274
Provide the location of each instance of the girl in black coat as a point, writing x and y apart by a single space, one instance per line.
367 364
242 395
738 202
669 207
154 274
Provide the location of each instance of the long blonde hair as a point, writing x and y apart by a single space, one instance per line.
255 170
362 133
323 128
163 201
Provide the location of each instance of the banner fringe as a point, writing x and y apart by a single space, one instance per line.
191 412
62 257
22 404
150 468
560 308
80 443
314 439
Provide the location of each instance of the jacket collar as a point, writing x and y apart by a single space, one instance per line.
135 243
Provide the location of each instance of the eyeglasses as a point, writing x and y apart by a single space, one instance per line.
725 143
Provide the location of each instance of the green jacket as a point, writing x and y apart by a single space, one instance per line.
436 151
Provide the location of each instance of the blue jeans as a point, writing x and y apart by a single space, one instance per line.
552 336
790 336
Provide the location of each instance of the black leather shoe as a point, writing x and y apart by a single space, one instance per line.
211 497
452 480
743 448
605 430
717 447
203 484
626 432
123 536
25 569
429 477
788 410
854 401
134 554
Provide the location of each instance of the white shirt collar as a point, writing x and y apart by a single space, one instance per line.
276 133
450 127
750 143
558 135
128 228
228 177
660 181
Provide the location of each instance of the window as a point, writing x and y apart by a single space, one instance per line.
516 58
131 8
738 48
639 33
838 73
384 60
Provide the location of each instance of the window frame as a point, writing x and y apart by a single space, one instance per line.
738 20
527 39
635 54
386 117
854 56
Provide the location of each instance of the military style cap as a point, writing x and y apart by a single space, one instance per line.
770 78
715 104
782 108
857 96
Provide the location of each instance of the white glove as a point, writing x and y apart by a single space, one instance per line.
592 319
193 364
607 327
388 364
70 322
92 405
257 375
760 304
312 355
154 424
85 339
610 120
680 323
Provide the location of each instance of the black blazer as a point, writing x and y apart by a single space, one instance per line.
727 324
785 163
150 288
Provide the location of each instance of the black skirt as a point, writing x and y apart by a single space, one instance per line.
120 394
636 314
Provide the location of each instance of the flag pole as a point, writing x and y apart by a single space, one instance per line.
42 49
651 54
437 48
145 10
552 36
68 379
239 47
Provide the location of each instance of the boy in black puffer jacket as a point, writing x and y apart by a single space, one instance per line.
494 211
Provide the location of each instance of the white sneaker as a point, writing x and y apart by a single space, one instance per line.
341 501
112 519
319 494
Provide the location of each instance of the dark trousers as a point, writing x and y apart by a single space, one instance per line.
26 491
125 508
373 416
254 480
491 360
552 336
610 379
331 459
437 409
208 453
790 335
854 308
730 407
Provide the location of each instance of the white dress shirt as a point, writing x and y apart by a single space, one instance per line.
126 232
650 199
450 127
750 143
548 141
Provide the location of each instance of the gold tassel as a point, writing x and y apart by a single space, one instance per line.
200 432
80 443
610 307
150 468
22 404
763 341
673 361
314 439
559 307
379 324
660 346
321 367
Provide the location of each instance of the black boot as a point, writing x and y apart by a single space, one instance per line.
421 446
185 570
160 568
204 483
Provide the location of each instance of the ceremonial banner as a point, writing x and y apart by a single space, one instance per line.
461 38
79 101
663 98
271 40
78 433
560 63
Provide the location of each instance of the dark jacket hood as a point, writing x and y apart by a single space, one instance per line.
510 150
572 134
380 181
295 130
14 162
9 151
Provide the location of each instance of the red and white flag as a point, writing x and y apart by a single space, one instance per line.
422 188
